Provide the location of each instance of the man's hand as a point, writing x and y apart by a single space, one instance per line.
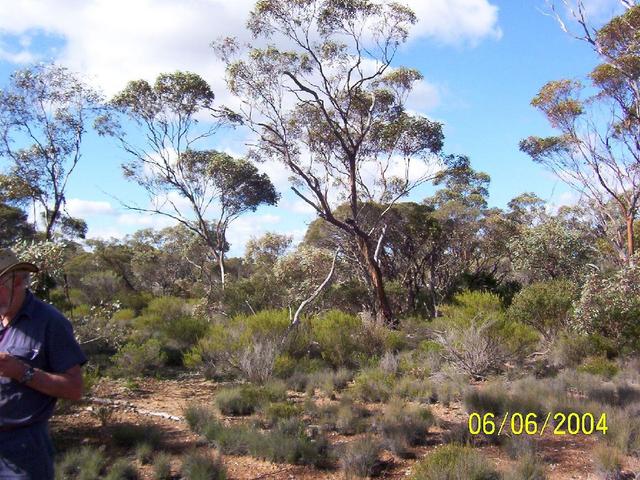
11 367
61 385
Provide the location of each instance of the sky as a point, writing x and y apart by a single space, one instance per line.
482 60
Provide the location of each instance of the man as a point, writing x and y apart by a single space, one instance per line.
40 361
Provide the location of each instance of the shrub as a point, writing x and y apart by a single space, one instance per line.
610 306
373 385
623 431
490 399
404 426
122 469
599 366
414 389
345 417
256 361
246 399
609 461
337 334
198 417
86 462
454 462
361 459
281 411
528 467
129 435
161 466
476 337
196 466
545 306
244 345
242 400
288 442
449 386
233 440
134 360
144 453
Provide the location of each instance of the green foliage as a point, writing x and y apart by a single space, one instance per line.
599 366
130 435
545 306
610 306
477 338
245 344
80 464
373 385
198 417
121 469
361 458
246 399
281 411
162 466
337 333
134 360
454 462
144 453
403 426
609 461
288 442
202 466
528 467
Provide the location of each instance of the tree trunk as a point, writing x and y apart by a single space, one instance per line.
221 264
630 238
383 309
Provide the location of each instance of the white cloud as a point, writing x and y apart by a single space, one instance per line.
456 21
424 97
144 220
84 208
248 226
115 41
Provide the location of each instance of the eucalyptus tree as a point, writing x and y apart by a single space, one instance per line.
324 99
44 112
597 150
204 190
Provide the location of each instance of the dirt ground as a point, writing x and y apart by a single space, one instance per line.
161 402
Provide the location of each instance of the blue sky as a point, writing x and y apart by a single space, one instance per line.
483 61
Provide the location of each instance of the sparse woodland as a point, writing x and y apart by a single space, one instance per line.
363 350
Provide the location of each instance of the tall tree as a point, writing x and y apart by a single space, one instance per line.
216 187
598 149
329 106
43 118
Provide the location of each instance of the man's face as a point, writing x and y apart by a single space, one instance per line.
7 292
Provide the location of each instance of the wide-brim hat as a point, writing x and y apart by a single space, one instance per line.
9 262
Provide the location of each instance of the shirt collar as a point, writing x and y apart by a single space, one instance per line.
26 310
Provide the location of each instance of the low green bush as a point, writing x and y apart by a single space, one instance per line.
82 463
289 443
121 469
528 467
454 462
134 360
373 385
198 417
361 458
128 435
161 466
246 399
403 425
274 412
198 466
599 366
545 306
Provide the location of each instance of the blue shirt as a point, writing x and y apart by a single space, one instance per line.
42 337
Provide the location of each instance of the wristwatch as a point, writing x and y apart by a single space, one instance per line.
28 375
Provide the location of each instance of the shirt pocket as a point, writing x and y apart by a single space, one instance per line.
26 354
